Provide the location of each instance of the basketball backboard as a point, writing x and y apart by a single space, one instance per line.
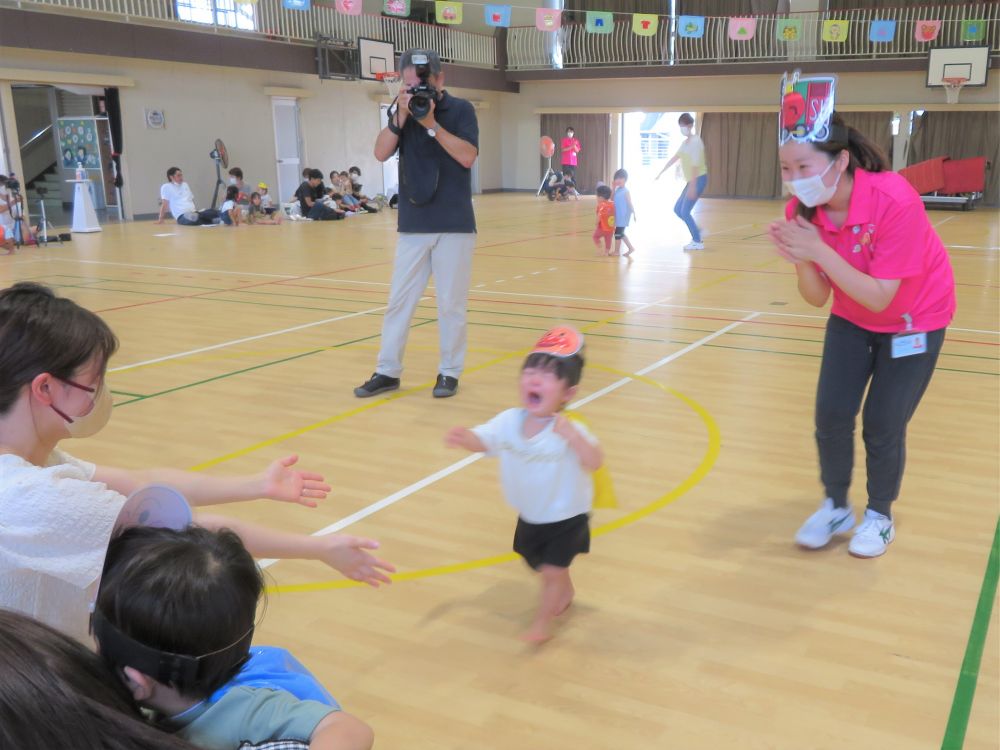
971 63
375 56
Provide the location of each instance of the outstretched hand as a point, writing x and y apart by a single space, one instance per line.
285 484
349 555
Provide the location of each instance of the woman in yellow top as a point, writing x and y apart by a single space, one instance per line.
692 157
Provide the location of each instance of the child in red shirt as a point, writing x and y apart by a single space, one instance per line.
605 220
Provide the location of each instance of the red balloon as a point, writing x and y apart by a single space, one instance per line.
547 146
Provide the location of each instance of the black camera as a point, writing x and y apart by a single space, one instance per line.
423 93
12 185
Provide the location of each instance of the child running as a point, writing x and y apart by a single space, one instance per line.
605 220
624 211
545 466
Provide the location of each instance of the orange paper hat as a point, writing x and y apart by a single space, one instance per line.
561 341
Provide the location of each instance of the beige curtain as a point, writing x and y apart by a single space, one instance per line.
593 132
960 135
876 126
741 149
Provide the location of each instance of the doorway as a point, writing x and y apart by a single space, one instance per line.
287 145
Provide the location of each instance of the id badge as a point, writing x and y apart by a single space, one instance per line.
908 344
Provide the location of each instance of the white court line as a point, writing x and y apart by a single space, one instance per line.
250 338
974 247
943 221
420 484
174 268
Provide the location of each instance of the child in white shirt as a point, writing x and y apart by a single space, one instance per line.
545 466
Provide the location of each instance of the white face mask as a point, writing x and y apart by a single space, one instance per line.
812 191
93 421
685 130
232 180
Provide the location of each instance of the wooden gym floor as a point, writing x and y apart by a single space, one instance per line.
698 623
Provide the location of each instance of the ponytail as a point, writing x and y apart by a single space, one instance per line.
864 153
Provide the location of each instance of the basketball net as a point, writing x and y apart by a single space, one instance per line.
391 80
952 88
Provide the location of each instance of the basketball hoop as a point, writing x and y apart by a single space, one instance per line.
953 87
391 80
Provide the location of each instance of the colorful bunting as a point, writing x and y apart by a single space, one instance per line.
396 7
789 29
547 19
350 7
497 16
645 24
973 31
742 29
599 22
691 27
296 4
882 31
927 31
448 13
836 30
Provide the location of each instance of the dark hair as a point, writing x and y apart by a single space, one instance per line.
253 209
40 332
570 127
863 152
55 692
685 119
305 173
354 169
603 191
236 172
172 171
334 174
189 592
433 60
621 174
315 174
568 369
232 193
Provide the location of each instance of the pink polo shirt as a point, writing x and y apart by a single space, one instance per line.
569 157
888 235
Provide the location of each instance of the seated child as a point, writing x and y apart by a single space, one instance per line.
266 202
231 213
257 214
175 616
545 466
605 220
354 178
555 187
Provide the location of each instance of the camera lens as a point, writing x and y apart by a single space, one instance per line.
420 105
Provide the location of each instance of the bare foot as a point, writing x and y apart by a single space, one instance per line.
628 252
563 608
536 634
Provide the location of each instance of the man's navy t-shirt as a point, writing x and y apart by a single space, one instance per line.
435 191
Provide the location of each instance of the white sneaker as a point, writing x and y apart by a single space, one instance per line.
695 246
820 527
873 536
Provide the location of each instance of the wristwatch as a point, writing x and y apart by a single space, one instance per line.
432 132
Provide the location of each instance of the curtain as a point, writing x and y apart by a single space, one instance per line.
741 149
960 135
593 133
876 126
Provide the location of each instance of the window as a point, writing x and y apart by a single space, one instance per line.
220 12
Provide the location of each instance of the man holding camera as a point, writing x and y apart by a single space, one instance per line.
437 137
11 206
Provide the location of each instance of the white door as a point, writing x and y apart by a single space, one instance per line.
287 146
390 167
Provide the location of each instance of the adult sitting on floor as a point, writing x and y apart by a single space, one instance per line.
177 198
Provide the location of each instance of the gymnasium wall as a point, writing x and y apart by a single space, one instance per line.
339 121
900 91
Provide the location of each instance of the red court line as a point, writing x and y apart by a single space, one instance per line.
235 288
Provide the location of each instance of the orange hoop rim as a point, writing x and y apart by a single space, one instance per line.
388 75
954 82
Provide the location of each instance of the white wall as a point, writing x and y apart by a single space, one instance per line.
339 121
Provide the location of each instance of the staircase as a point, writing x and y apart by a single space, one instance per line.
49 180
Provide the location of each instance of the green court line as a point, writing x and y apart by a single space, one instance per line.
968 676
261 366
117 392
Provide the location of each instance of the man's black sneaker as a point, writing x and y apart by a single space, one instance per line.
376 384
445 386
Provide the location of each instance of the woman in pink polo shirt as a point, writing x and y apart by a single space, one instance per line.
859 230
569 148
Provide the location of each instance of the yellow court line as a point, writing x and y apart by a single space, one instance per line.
712 451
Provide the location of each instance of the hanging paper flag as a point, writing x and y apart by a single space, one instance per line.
836 31
645 24
350 7
448 13
973 31
396 7
741 29
599 22
882 31
691 27
295 4
547 19
497 15
789 29
927 31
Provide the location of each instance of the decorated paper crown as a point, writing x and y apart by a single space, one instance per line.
807 109
262 186
561 341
